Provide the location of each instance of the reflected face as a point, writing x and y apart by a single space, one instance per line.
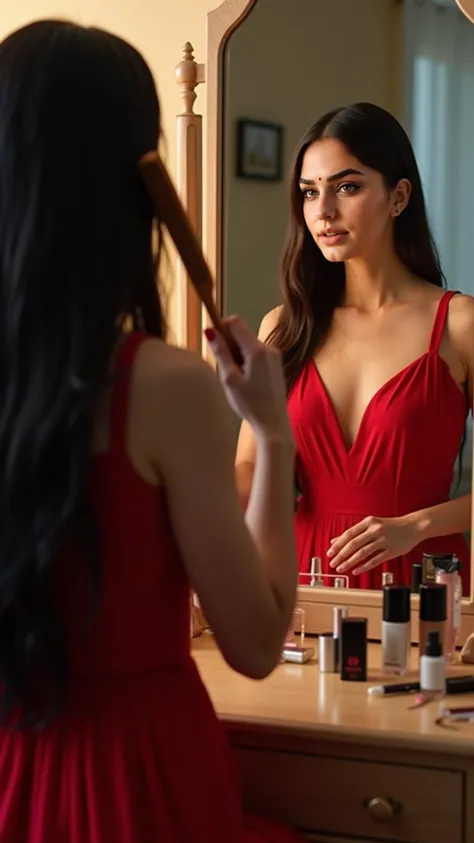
346 205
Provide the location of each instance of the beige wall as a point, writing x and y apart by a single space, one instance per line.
158 28
289 62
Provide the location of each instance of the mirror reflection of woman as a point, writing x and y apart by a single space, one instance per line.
378 357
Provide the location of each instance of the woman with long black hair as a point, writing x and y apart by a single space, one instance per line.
116 478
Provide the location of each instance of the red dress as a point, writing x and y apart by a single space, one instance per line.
402 459
138 754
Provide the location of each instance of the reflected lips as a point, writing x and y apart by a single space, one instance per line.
333 239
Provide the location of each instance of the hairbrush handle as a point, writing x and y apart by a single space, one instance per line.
170 210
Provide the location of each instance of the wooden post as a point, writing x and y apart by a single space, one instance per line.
188 75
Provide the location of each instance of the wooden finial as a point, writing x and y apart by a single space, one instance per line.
187 76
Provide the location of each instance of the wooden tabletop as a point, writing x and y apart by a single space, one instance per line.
298 699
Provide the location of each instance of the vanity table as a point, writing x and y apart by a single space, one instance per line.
340 766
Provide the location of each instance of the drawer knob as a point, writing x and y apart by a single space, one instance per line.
382 810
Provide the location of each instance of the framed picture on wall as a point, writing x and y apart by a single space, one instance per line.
259 150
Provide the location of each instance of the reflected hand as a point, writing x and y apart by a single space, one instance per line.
371 542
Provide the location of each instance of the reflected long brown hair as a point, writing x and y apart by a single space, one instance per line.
313 287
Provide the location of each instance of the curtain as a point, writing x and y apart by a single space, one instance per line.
439 117
439 75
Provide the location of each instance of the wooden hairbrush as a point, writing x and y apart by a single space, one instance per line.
170 211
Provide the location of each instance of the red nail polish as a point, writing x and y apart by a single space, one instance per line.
210 334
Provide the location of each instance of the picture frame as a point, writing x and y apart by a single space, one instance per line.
259 150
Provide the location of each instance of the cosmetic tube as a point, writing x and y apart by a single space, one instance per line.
327 653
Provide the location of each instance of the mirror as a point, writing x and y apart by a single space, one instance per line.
270 74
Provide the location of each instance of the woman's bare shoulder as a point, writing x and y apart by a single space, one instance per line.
462 304
169 376
173 389
461 328
461 317
162 365
269 323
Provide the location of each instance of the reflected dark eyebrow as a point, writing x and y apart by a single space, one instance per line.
336 176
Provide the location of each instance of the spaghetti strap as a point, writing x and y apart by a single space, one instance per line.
121 389
440 320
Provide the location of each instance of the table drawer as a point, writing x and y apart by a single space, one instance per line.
316 838
378 801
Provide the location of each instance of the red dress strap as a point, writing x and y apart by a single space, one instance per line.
440 320
121 388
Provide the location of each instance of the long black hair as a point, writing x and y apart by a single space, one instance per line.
313 287
78 107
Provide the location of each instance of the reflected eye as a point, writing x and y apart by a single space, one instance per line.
349 187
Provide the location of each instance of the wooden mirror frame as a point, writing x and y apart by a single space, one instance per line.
316 601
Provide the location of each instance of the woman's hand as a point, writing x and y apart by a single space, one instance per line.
371 542
256 391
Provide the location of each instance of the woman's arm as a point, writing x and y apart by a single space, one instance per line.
246 447
383 539
445 519
243 568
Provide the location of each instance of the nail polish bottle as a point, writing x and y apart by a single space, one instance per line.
396 628
316 572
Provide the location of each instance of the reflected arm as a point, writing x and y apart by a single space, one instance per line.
445 519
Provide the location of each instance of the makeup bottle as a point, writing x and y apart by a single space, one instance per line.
447 572
427 563
387 578
396 629
327 653
354 649
338 614
433 608
416 577
316 579
433 666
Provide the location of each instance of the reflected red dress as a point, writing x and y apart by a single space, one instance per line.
138 755
402 459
